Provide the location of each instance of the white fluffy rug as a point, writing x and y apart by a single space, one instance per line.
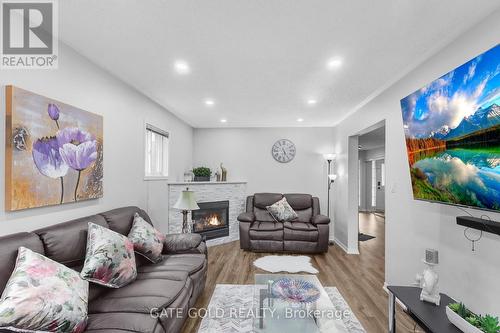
289 264
230 299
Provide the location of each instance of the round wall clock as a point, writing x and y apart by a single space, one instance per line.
283 151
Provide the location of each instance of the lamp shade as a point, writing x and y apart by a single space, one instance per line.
329 157
186 201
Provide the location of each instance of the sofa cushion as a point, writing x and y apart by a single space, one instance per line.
263 215
123 322
304 215
110 259
143 295
190 263
43 295
300 231
121 219
266 226
262 200
266 231
8 252
66 242
299 201
148 242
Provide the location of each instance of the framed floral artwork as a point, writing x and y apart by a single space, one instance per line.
54 152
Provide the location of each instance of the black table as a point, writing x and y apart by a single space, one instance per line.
430 317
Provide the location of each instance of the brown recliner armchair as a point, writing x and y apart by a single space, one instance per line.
259 231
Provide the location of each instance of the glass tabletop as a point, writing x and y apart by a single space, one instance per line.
277 314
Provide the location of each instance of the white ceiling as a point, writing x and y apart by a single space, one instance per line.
261 60
372 140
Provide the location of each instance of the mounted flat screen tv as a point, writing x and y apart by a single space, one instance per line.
452 130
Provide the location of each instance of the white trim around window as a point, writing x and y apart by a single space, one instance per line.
156 153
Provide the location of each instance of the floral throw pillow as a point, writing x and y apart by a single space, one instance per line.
282 211
147 241
110 259
43 295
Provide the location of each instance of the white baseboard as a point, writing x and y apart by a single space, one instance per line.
341 245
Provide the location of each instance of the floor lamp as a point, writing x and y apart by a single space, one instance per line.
331 177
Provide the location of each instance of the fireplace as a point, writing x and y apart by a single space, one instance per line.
212 219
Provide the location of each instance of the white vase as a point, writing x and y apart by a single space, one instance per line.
460 322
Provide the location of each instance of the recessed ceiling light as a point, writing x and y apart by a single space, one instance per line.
334 63
209 102
312 101
300 120
223 120
182 67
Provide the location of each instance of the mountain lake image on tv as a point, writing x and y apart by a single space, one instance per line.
452 130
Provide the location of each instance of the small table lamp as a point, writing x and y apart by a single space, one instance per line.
186 203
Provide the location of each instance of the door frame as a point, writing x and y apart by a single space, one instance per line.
353 185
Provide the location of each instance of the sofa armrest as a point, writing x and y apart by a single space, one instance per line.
184 243
247 217
320 219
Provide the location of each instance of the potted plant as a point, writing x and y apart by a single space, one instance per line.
202 174
469 322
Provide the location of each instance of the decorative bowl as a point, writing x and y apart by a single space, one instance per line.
295 291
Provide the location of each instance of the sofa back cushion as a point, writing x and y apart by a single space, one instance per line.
120 220
8 252
302 204
261 201
66 242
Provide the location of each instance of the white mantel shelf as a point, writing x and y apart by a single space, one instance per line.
204 183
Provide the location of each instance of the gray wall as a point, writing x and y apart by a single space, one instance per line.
246 153
412 226
82 84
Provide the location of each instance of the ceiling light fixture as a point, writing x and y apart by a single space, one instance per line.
182 67
312 102
300 120
334 63
209 102
223 120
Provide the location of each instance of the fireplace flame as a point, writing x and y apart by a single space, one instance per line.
213 220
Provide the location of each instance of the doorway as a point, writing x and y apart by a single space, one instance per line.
371 193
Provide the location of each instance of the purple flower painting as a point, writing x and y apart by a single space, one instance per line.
62 160
77 148
47 158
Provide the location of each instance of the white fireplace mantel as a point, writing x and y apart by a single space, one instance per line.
234 191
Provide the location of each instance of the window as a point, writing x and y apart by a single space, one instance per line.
156 165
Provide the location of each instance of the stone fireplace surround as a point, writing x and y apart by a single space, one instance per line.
234 192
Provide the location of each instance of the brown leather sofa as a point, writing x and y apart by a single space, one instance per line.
142 306
260 232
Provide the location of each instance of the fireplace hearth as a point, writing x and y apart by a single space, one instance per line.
212 219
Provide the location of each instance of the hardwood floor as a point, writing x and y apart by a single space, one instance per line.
359 278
